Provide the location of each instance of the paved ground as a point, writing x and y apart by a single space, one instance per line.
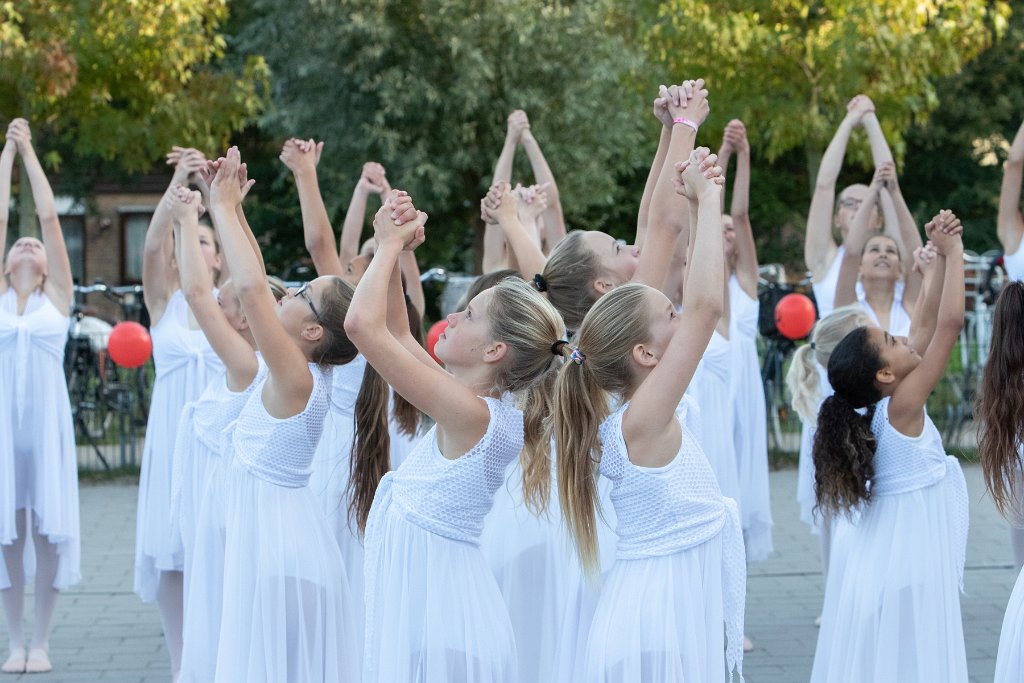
104 633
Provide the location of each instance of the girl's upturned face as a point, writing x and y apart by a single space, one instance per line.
230 306
896 353
468 333
881 259
208 246
26 252
302 306
664 321
618 261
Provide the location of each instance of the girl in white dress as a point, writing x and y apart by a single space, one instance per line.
551 603
185 363
433 610
679 574
898 503
1001 448
750 425
287 614
198 455
807 380
38 469
347 468
871 273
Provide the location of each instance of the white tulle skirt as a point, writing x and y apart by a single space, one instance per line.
550 602
434 610
287 612
661 619
1010 660
805 497
204 576
892 602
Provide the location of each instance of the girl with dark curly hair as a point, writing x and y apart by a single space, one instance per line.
898 503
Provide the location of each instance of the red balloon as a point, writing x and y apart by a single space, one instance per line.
432 334
794 316
130 344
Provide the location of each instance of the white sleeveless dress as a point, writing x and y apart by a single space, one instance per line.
892 603
750 426
38 468
899 317
433 610
711 389
197 508
1014 263
1010 658
185 364
805 496
679 574
287 612
825 291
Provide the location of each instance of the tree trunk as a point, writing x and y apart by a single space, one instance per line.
813 153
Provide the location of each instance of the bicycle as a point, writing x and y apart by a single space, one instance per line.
106 400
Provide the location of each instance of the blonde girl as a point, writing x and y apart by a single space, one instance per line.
675 528
433 610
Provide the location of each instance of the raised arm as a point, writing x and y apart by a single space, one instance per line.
372 180
290 382
59 283
301 158
499 207
906 409
819 246
860 233
203 178
10 150
653 405
665 136
455 408
517 124
666 222
932 266
159 279
1010 222
746 249
552 217
238 357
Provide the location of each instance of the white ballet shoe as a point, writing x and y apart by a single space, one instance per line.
38 661
15 664
748 646
817 621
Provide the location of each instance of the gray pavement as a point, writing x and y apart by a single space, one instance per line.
103 632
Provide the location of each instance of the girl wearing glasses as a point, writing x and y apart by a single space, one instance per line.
185 363
38 473
287 611
434 612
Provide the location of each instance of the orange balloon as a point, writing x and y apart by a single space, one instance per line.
433 333
795 316
130 344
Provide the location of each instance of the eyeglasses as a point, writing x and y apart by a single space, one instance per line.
303 291
850 203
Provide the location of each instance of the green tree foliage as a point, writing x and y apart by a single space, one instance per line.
123 80
956 160
424 87
788 68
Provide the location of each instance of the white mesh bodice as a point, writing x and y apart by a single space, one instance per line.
904 464
218 407
665 510
451 497
281 451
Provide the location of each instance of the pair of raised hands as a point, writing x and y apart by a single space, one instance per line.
503 202
688 100
192 167
19 135
222 181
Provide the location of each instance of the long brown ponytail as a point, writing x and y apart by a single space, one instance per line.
407 416
371 446
1000 404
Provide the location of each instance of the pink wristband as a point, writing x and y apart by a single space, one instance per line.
685 122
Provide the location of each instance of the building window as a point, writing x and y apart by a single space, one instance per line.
133 230
73 228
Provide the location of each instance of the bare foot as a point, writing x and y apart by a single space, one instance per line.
38 661
15 664
747 645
